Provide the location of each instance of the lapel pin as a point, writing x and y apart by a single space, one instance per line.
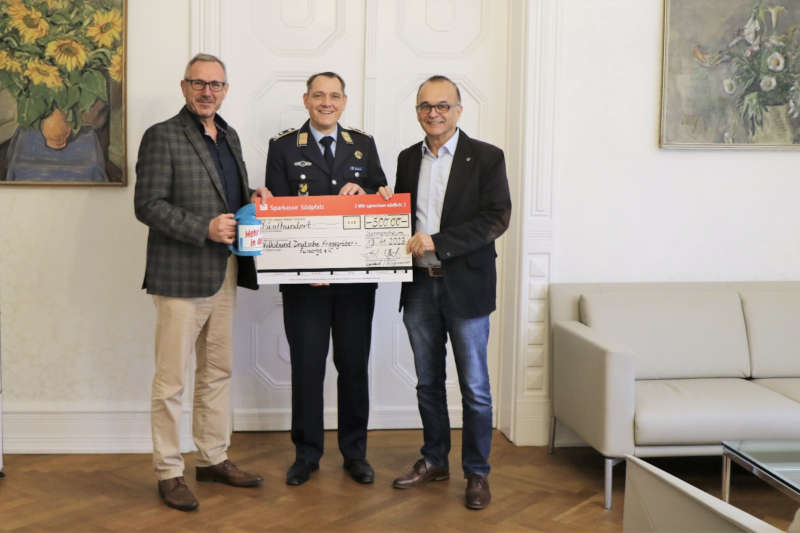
358 154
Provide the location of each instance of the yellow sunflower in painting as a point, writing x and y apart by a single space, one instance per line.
68 53
106 27
8 63
28 22
42 73
115 68
14 7
56 4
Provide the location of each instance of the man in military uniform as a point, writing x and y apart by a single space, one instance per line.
323 158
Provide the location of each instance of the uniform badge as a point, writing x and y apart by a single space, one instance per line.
302 139
358 154
346 137
302 163
302 190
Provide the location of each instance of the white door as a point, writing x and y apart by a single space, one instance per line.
383 49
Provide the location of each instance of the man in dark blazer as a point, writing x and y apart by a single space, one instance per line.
460 205
323 158
190 178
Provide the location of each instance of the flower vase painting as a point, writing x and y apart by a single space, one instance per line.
62 92
731 74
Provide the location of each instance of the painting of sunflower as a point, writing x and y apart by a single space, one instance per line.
62 92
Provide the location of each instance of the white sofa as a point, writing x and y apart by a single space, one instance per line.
658 502
667 369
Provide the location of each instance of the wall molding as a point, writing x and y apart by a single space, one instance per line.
206 27
78 429
525 393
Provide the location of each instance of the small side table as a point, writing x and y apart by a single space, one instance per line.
777 462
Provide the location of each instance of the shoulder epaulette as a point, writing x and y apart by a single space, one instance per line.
284 133
359 131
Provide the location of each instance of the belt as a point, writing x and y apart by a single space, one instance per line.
433 272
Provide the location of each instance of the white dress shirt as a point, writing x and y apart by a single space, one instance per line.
434 172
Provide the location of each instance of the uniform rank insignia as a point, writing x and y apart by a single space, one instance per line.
284 133
302 163
346 137
358 154
302 189
302 139
359 131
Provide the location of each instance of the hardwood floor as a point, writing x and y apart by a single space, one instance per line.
532 491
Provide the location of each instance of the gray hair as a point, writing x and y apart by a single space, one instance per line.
439 77
205 57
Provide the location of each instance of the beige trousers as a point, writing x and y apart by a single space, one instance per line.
205 325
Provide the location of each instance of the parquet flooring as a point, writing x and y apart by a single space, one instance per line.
532 492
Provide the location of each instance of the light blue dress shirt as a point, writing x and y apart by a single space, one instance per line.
434 172
318 135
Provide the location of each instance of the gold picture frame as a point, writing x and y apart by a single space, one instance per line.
730 74
62 92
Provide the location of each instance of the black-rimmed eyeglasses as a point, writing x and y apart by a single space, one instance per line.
425 108
199 85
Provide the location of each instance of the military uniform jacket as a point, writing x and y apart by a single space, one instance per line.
178 192
296 166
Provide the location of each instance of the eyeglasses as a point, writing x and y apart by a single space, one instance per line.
442 107
199 85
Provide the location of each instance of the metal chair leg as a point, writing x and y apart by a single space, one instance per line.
551 447
610 462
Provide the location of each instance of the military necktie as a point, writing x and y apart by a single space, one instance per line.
326 142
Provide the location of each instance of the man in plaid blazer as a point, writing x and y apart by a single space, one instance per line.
190 178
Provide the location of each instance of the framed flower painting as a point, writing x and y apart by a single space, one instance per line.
731 74
62 92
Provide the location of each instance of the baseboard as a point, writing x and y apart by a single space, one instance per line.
83 431
379 418
531 424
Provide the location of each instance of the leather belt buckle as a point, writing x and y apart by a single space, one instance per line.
435 272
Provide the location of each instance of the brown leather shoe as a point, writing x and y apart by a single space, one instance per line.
176 494
421 473
477 494
228 473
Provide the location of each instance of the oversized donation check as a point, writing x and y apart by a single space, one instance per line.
335 239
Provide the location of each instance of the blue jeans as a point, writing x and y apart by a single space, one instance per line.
428 320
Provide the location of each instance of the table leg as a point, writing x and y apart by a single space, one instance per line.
726 477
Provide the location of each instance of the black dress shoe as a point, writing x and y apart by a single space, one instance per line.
360 470
300 471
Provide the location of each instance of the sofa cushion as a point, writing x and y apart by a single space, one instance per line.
789 387
673 333
708 411
773 329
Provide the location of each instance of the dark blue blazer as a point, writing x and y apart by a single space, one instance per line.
476 211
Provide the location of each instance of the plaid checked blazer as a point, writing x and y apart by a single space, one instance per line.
178 192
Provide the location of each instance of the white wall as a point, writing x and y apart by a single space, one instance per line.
625 210
77 331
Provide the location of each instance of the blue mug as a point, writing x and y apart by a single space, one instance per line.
249 240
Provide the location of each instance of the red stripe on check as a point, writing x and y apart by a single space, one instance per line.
365 204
